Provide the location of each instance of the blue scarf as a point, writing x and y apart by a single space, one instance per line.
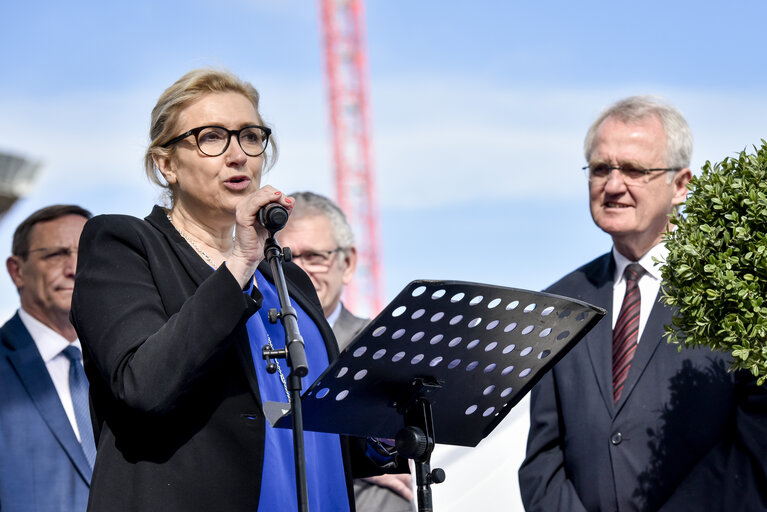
325 480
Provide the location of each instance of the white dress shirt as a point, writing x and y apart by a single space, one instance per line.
333 318
649 282
50 345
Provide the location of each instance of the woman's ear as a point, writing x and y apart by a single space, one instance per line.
166 168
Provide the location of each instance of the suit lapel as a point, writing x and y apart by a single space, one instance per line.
197 269
648 344
347 327
599 340
26 360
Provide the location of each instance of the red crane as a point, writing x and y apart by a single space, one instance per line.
346 70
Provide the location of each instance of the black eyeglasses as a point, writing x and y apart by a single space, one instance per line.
214 140
598 173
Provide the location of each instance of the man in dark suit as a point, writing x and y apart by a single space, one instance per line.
323 245
626 421
46 437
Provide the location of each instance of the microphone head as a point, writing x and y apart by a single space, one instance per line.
273 217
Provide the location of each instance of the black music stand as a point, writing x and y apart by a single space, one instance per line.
447 354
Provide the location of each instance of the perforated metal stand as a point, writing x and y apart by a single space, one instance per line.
462 354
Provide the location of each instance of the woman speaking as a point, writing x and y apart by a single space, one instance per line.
172 314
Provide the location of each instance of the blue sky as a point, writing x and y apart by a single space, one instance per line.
479 109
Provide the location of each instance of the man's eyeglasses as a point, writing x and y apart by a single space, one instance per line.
53 255
599 173
317 261
214 140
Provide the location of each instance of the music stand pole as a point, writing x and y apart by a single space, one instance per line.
295 353
416 441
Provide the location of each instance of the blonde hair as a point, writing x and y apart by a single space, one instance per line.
177 97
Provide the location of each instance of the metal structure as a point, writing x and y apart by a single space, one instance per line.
346 74
16 177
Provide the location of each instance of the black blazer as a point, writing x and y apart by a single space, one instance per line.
178 417
685 435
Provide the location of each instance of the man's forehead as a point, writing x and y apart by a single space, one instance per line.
310 231
618 138
63 231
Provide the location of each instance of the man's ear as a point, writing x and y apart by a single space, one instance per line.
13 265
681 179
350 264
165 166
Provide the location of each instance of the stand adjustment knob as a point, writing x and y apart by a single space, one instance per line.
437 476
411 442
273 316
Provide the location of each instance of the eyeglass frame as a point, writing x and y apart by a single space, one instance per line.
624 168
328 254
196 133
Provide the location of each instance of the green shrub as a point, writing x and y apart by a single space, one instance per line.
716 271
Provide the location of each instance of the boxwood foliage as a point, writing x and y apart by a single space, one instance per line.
716 271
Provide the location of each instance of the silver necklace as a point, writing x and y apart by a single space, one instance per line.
269 346
196 247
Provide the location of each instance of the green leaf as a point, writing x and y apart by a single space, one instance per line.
716 269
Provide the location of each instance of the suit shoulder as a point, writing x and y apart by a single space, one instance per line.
592 272
113 223
100 230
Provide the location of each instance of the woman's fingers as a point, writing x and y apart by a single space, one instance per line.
250 235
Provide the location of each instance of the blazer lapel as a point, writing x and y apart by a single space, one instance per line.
652 336
347 327
29 365
198 270
599 340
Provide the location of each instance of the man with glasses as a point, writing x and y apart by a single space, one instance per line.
322 243
626 421
46 438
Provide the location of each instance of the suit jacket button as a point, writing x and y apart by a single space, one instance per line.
616 438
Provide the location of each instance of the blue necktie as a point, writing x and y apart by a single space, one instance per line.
78 388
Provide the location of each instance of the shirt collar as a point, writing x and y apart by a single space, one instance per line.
49 342
333 317
648 262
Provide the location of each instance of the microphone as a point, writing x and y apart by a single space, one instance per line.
273 217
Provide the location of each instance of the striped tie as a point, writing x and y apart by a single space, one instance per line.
78 389
626 329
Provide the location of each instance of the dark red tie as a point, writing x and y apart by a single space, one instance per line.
626 329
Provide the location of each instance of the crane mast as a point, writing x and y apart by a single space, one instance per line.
346 72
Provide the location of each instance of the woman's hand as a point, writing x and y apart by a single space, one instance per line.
250 237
